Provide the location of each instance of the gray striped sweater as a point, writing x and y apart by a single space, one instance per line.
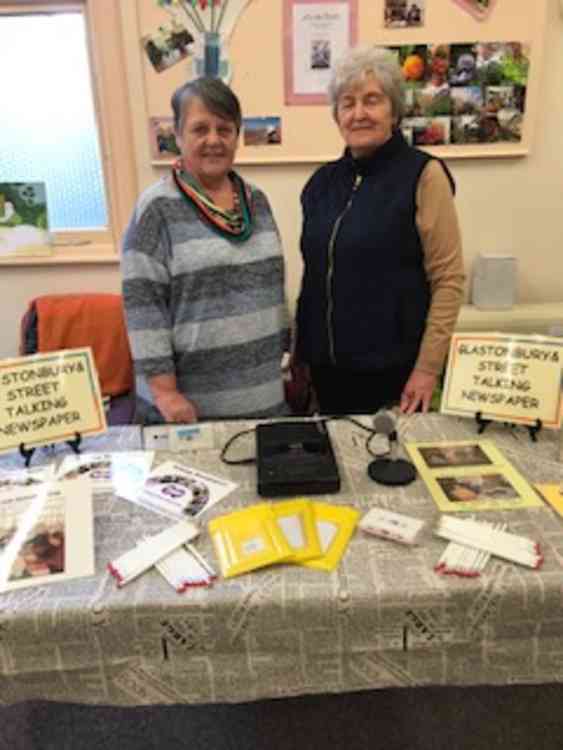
209 310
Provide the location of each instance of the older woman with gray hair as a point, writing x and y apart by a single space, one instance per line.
203 277
383 273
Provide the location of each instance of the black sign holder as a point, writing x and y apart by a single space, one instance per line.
27 453
533 429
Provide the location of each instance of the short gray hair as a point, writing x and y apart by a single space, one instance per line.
361 61
215 95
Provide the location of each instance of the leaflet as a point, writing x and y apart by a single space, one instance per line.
180 492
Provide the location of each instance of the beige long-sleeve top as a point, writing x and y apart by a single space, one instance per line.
438 226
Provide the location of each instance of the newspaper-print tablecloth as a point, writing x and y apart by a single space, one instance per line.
384 618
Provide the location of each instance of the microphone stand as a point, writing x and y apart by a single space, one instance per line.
392 471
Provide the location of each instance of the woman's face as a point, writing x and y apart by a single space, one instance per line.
364 116
208 143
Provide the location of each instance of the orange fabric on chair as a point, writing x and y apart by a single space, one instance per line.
71 321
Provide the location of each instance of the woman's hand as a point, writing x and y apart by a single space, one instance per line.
418 391
299 391
176 408
172 404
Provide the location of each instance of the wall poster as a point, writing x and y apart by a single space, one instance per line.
316 34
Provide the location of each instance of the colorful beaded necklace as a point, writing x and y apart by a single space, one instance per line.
236 224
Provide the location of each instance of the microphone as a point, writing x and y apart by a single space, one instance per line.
391 471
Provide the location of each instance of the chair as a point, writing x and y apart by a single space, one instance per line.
70 321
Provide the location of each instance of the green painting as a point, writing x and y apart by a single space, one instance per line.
23 219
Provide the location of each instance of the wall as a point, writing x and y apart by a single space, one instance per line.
505 206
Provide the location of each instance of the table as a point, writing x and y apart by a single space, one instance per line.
382 619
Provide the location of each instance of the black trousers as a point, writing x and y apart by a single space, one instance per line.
344 392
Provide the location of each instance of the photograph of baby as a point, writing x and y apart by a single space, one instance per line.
475 487
455 455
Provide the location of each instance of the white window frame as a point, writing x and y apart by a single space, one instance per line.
113 118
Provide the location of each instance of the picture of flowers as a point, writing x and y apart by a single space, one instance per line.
464 93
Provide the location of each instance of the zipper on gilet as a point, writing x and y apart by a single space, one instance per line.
330 270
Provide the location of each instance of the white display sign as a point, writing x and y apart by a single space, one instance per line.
49 398
504 378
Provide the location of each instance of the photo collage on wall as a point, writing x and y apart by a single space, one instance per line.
464 93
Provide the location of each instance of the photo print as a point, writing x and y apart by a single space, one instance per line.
438 58
412 59
261 131
440 456
499 97
463 65
463 93
320 54
430 101
168 46
477 487
163 138
41 550
400 14
427 131
466 100
466 129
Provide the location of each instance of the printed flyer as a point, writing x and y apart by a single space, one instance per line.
180 492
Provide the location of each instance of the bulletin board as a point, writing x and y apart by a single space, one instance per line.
307 132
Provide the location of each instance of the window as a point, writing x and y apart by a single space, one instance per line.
65 121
